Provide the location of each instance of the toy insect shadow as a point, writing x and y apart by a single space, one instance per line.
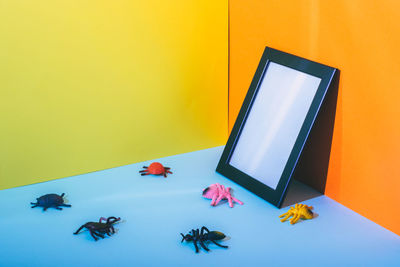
280 143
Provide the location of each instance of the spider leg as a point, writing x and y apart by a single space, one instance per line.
288 215
230 201
92 234
80 228
280 216
295 219
115 219
98 234
218 199
213 200
234 199
237 200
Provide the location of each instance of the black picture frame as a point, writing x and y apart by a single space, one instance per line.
326 74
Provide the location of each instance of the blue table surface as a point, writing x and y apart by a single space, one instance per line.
155 210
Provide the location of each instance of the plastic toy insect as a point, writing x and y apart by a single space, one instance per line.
300 211
217 192
155 168
50 201
201 237
99 229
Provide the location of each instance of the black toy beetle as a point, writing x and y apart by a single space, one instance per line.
50 201
99 228
201 237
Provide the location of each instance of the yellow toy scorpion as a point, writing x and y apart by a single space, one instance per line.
300 211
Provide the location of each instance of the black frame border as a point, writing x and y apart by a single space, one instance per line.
326 74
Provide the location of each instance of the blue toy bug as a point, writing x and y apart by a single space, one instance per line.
50 201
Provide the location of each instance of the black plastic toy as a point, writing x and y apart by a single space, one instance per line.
50 201
201 237
100 229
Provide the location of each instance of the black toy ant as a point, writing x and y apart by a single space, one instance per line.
99 228
201 237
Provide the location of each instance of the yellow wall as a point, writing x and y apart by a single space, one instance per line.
92 84
361 38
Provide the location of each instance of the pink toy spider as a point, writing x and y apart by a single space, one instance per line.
217 192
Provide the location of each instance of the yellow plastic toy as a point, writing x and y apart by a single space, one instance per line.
300 211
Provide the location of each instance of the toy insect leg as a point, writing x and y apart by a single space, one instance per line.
237 200
201 239
35 205
80 228
287 215
230 201
98 234
218 199
65 205
56 207
147 173
114 219
203 246
222 246
204 229
183 237
295 219
214 198
92 234
195 238
195 245
112 229
45 208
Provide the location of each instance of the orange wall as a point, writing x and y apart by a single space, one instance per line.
362 39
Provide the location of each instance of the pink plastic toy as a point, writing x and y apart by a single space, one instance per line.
217 192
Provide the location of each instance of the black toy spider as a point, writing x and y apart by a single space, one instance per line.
99 228
201 237
50 200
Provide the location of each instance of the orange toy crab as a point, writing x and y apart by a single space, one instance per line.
300 211
155 168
